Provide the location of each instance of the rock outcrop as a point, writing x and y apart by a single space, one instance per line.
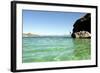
82 27
82 34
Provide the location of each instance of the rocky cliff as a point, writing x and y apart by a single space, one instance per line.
82 27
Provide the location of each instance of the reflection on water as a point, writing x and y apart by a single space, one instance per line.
55 49
82 49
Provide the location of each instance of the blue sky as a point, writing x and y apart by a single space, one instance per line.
48 22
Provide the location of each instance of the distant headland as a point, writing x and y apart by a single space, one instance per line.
37 35
30 35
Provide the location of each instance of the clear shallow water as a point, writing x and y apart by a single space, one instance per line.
44 49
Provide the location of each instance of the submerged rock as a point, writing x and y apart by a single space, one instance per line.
82 27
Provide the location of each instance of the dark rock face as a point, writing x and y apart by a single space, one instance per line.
82 24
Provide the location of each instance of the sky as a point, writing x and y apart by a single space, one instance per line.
49 22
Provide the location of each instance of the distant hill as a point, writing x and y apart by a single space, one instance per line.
30 35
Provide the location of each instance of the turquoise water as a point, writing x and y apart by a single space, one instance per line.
44 49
